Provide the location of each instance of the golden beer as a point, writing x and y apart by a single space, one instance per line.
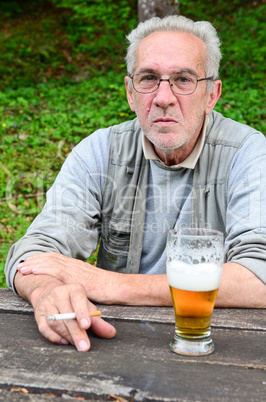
194 261
193 311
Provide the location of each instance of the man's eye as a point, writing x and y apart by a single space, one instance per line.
149 78
183 79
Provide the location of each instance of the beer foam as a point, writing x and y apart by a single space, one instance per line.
198 278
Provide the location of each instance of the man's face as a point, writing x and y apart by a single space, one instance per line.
168 120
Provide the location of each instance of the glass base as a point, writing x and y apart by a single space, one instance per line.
192 347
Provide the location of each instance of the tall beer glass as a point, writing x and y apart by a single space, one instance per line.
194 269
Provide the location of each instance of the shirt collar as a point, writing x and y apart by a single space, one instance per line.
190 161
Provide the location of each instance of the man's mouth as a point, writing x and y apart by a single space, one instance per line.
165 121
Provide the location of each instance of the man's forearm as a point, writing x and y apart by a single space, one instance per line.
240 288
142 290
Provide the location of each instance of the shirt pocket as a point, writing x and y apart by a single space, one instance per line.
113 251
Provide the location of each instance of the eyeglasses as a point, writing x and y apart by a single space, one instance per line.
180 83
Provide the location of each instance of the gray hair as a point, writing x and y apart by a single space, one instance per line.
202 29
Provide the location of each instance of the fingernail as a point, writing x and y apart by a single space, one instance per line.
23 269
64 341
83 346
84 323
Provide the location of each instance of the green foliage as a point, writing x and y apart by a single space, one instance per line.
240 25
92 26
9 8
59 38
61 78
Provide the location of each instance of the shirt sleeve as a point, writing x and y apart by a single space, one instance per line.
70 220
245 242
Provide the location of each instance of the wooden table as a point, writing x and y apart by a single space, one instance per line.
137 364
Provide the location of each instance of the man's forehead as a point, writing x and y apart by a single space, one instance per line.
167 48
166 36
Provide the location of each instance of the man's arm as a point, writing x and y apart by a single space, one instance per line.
239 286
50 296
101 286
69 222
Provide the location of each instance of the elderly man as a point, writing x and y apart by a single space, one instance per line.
178 164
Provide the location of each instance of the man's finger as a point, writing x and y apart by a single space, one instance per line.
102 328
49 333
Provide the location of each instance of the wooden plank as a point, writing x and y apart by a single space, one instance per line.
253 319
222 318
17 395
10 302
137 362
234 347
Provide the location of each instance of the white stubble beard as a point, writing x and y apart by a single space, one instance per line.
161 143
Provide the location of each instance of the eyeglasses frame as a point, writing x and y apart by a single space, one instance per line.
168 79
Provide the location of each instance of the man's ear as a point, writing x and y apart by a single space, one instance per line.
214 96
129 93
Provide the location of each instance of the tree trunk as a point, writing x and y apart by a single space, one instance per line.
156 8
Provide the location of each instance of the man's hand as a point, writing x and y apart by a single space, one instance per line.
50 296
101 286
99 283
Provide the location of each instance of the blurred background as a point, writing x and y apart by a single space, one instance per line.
61 77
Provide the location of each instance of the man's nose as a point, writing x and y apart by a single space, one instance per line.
164 96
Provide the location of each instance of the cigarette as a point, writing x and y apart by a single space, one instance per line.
70 316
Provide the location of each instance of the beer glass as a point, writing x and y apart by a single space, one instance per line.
194 268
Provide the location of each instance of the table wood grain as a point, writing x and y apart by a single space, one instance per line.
137 365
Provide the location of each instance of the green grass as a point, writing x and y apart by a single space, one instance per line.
61 77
